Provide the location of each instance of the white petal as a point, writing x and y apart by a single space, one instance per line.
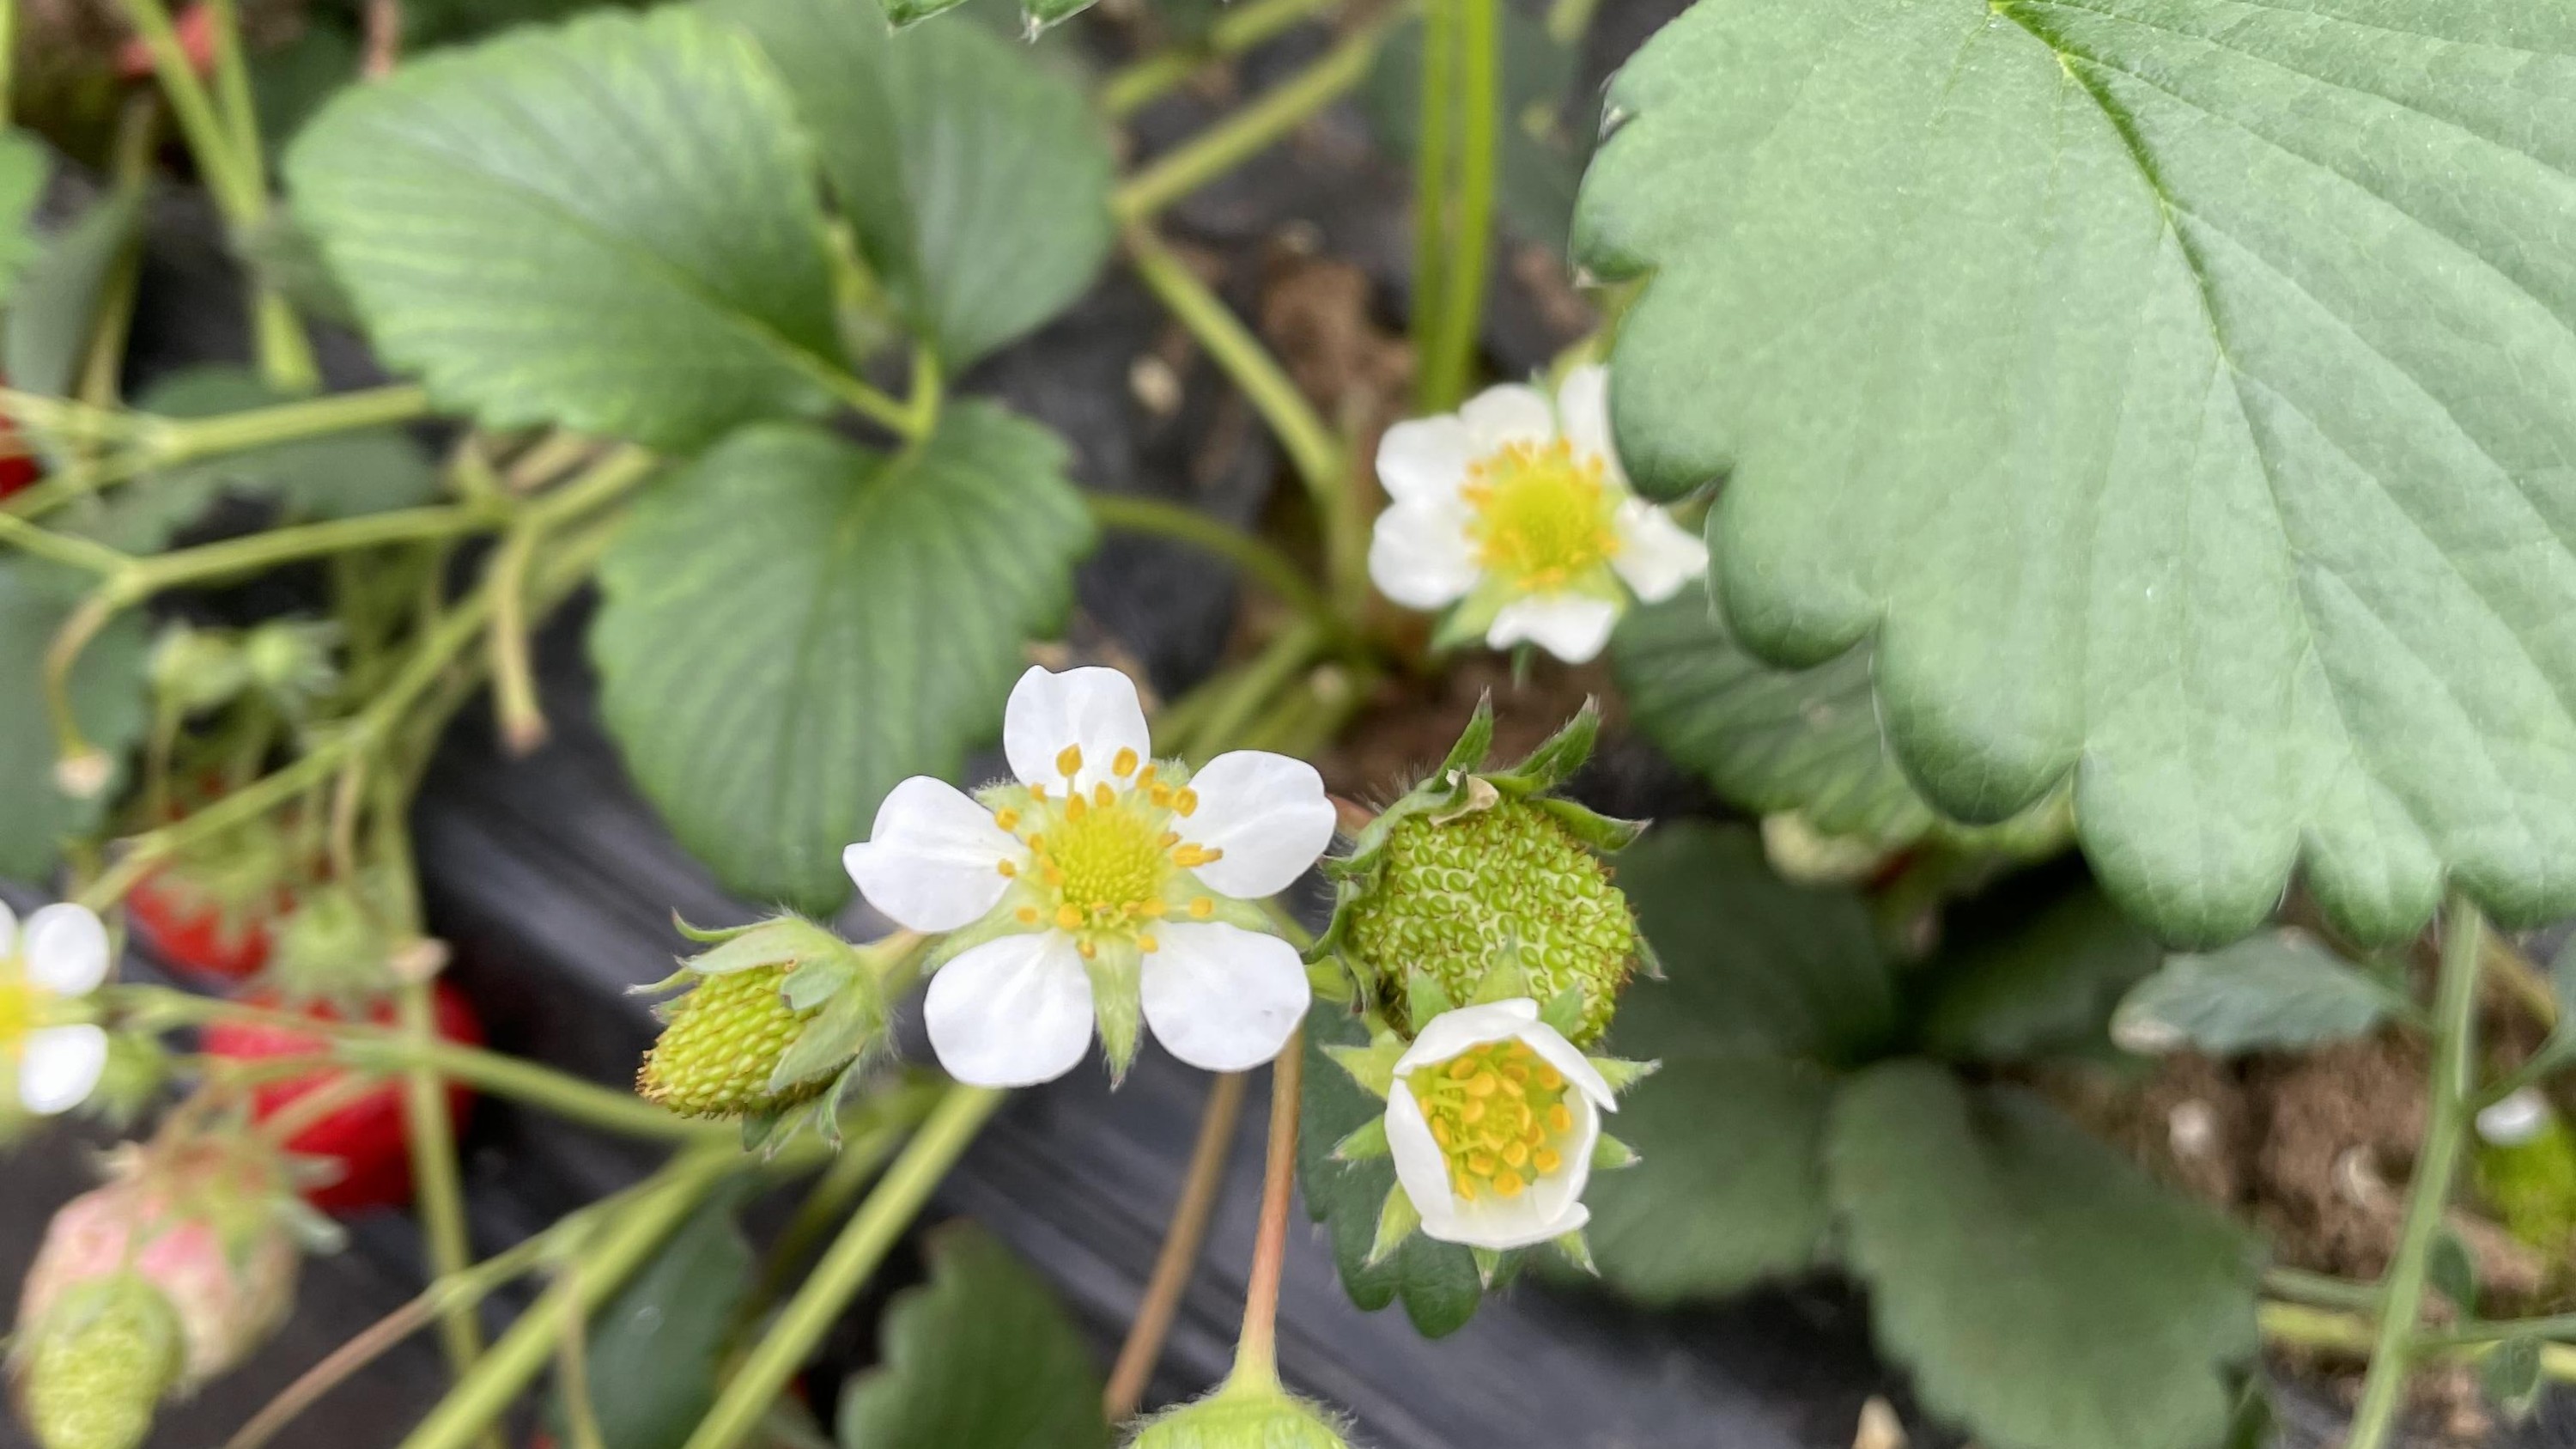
1267 813
8 931
1502 1223
60 1065
1561 1193
1419 1164
1092 709
1223 998
1561 1054
1452 1032
1511 413
1656 555
1583 410
1419 555
66 949
1012 1012
933 859
1425 461
1573 627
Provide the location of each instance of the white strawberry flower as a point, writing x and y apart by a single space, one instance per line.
59 956
1492 1119
1100 882
1516 510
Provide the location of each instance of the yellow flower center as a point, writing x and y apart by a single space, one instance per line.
1500 1116
17 1010
1543 518
1107 864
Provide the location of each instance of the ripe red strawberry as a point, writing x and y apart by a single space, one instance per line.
18 468
190 926
367 1137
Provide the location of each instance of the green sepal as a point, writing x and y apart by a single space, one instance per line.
1117 1002
1396 1221
1366 1140
1621 1073
1042 15
1489 1266
1557 757
849 1025
1609 1154
1373 1065
900 13
1607 834
1426 999
997 923
1474 742
709 935
773 942
1563 1013
814 982
1577 1250
1505 980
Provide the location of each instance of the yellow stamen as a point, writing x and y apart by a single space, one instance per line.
1006 868
1068 761
1007 819
1125 764
1201 907
1186 801
1102 796
1148 944
1067 917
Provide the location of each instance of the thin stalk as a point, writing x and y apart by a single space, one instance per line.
437 1193
1256 1348
1254 556
898 418
1432 164
572 1377
521 718
138 131
2321 1290
8 51
209 140
1241 28
1183 1241
291 1119
1253 692
2350 1335
1223 147
829 1201
1451 353
2445 1119
181 440
622 1248
756 1383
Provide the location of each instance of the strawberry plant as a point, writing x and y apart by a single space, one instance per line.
2080 490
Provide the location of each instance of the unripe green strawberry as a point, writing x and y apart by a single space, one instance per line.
94 1370
1458 895
1245 1414
723 1044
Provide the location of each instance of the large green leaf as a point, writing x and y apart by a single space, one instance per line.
795 623
610 226
2279 989
977 181
2044 1291
107 698
982 1358
2184 390
655 1348
2043 982
24 165
1728 1188
1752 964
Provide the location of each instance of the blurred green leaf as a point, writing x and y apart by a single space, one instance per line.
25 165
2279 989
795 623
1437 1281
981 1358
656 1347
611 226
978 181
54 306
1752 964
107 698
2453 1273
2510 1374
2179 394
2045 1293
2047 984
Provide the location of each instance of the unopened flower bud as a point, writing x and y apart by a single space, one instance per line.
1248 1413
773 1017
290 661
197 669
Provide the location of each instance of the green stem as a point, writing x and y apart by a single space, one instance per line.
755 1385
622 1248
1451 353
235 193
1244 550
1437 118
2446 1113
1256 1348
437 1193
1252 693
182 440
830 1199
8 53
1223 147
1238 30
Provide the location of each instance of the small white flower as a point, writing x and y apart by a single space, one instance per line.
1518 512
57 958
1108 876
1492 1120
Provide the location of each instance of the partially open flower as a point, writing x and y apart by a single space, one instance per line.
1516 510
1099 886
1492 1119
51 1056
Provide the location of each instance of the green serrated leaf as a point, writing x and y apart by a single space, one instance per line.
794 624
655 1347
1727 1186
109 697
2045 1292
2280 989
2043 983
1754 965
2174 388
609 226
1436 1281
46 333
981 1356
978 181
24 165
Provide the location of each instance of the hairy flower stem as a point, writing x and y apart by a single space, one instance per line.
852 1168
1239 29
1182 1243
1450 352
148 442
1436 118
436 1191
1256 1348
1248 132
1275 570
2446 1114
845 1268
